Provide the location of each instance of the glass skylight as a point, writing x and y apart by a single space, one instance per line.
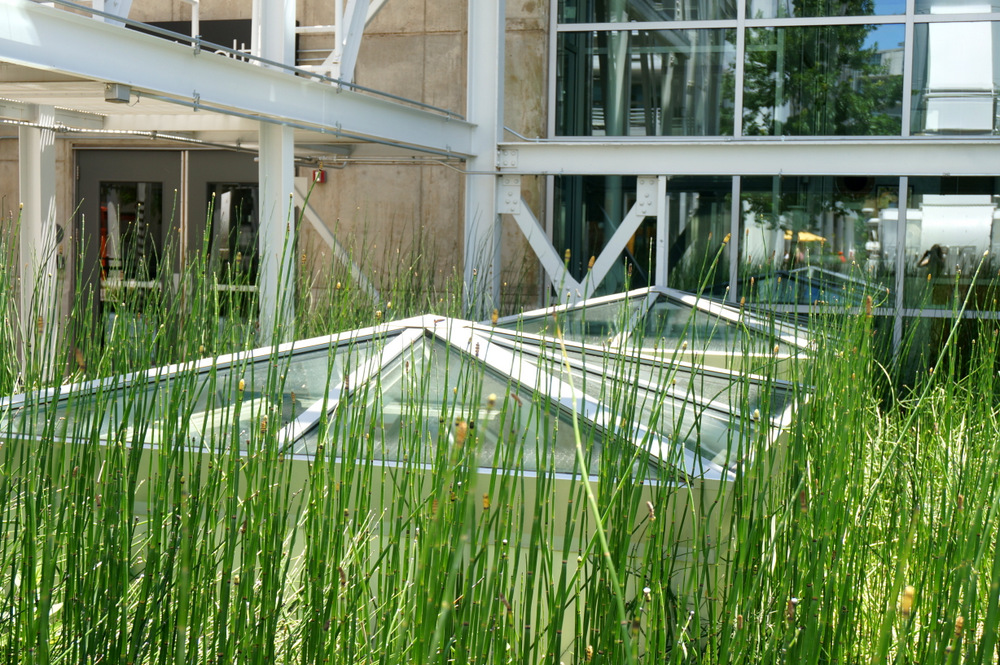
435 391
670 325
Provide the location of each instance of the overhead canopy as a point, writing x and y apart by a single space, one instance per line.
165 87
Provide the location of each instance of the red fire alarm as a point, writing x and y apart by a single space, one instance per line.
319 176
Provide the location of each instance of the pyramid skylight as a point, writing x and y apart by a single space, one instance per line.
428 389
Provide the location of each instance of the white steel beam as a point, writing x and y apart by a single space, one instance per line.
772 157
276 236
42 37
485 110
511 203
373 9
23 111
37 185
662 232
646 205
355 14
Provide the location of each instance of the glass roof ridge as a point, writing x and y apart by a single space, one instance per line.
511 338
641 315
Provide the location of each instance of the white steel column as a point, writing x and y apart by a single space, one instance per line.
662 232
276 286
485 111
37 176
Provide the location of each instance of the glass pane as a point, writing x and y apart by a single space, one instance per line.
233 232
699 213
277 391
591 11
818 239
433 401
803 8
669 324
131 230
953 86
673 400
131 251
956 7
952 232
646 83
589 209
594 324
824 81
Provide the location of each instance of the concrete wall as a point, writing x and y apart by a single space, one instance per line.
400 218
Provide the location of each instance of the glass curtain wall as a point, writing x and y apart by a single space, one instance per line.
952 243
808 68
815 239
956 75
715 70
931 245
829 80
646 83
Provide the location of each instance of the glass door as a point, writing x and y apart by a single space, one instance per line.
128 239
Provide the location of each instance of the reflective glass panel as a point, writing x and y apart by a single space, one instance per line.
646 83
956 71
668 324
233 232
818 239
589 209
956 7
131 231
674 400
619 11
810 8
594 324
275 391
824 81
952 233
699 214
432 404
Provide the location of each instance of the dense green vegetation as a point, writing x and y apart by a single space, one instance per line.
866 533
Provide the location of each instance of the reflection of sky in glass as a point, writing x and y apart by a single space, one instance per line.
885 37
790 8
890 7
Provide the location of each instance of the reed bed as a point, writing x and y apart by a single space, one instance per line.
444 513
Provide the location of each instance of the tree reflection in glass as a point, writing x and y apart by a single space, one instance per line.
823 81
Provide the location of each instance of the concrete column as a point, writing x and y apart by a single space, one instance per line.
37 177
485 110
276 285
